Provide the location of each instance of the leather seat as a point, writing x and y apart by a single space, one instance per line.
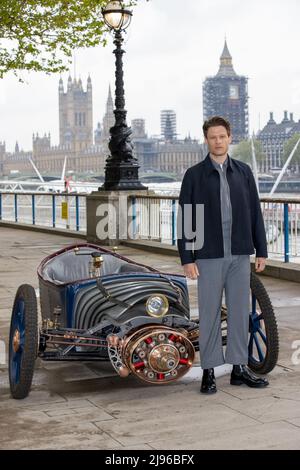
132 268
68 267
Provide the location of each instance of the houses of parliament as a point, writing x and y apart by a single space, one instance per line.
86 148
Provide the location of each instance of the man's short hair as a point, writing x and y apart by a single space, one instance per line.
216 121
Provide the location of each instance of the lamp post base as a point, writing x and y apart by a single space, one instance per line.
122 176
111 217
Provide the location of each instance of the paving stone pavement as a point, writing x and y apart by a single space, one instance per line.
87 406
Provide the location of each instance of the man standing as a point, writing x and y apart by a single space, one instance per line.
233 229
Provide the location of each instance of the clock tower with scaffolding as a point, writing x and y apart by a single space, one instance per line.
226 95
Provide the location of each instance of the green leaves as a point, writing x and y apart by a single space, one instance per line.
243 151
288 148
40 35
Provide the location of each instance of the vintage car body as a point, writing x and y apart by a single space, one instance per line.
97 305
64 280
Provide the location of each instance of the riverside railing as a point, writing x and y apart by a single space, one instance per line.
153 218
56 210
282 222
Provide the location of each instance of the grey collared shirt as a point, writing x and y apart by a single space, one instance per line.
226 209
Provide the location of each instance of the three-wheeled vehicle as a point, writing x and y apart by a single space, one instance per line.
97 305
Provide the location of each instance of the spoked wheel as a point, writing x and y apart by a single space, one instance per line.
23 341
263 346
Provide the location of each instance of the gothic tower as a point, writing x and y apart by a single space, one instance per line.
226 95
76 114
109 117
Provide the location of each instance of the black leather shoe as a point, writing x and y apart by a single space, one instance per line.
208 384
242 375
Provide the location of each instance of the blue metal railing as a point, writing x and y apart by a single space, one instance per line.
286 234
43 209
53 211
174 213
152 217
16 207
281 216
133 202
33 208
77 212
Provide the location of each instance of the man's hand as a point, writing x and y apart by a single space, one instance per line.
191 270
260 264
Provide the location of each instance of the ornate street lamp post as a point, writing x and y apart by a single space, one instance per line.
121 170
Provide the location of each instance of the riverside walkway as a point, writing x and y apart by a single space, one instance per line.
87 406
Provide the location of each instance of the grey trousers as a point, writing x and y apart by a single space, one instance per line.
232 273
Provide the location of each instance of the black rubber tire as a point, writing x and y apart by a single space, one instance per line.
21 389
271 329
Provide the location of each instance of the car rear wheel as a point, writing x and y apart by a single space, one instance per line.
263 345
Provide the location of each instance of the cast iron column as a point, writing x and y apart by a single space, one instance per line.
121 170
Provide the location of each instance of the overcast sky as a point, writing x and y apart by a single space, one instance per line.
172 45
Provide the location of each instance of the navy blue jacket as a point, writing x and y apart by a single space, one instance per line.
201 185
